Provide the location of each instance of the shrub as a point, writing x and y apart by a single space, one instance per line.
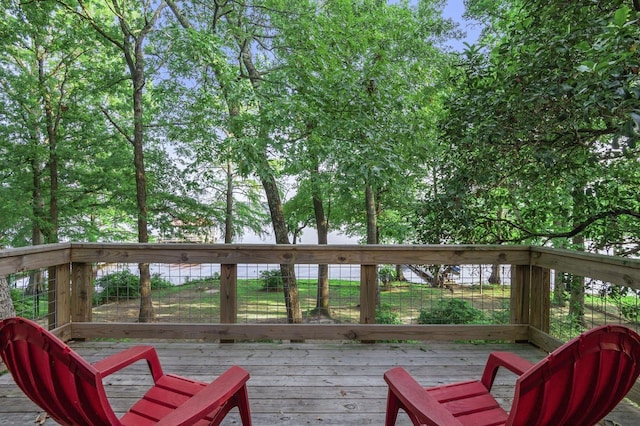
271 280
157 282
628 306
124 285
386 316
386 274
502 315
451 311
24 305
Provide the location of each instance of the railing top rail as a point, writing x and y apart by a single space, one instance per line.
34 257
618 270
300 254
621 271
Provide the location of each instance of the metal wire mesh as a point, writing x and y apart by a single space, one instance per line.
428 294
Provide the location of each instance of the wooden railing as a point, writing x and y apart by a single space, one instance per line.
70 293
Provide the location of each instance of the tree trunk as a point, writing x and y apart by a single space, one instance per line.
372 220
36 277
137 72
52 120
400 273
134 57
228 214
372 227
559 288
322 297
290 284
576 290
560 284
292 302
6 304
291 297
494 277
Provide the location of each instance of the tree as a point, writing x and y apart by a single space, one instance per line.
128 38
542 127
53 88
529 126
361 100
356 121
244 24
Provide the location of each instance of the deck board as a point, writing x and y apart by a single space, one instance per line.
302 383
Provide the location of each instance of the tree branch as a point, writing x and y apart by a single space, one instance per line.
576 229
114 124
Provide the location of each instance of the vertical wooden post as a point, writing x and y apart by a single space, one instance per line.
228 296
520 293
59 295
368 283
540 302
81 292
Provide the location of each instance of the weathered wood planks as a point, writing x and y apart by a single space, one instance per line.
301 384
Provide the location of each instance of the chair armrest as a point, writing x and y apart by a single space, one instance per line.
122 359
211 397
416 399
508 360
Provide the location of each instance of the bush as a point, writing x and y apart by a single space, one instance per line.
24 305
157 282
386 274
271 280
451 311
628 306
385 316
123 285
502 315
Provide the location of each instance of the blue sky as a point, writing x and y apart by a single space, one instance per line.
455 10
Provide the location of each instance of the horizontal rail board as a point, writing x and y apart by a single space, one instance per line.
35 257
512 332
617 270
300 254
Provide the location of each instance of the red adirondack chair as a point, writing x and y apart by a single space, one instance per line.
71 391
577 384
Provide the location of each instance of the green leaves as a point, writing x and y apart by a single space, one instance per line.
546 110
621 15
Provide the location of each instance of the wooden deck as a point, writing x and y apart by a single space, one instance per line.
301 384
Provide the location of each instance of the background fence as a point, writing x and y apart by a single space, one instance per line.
419 294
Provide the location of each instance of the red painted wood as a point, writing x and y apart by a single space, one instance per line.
577 384
71 391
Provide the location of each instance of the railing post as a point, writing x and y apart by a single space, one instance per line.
59 295
520 294
228 296
540 301
81 292
368 282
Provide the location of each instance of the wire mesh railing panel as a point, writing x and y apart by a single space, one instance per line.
260 294
444 294
579 303
179 292
31 291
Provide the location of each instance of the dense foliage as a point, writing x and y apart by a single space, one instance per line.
188 120
542 130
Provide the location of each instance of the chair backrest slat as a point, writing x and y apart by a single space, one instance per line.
54 377
580 382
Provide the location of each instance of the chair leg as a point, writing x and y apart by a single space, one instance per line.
393 405
241 400
243 406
